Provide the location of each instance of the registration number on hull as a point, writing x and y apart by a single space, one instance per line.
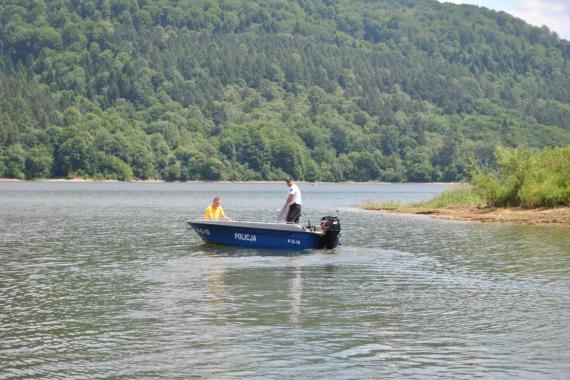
202 231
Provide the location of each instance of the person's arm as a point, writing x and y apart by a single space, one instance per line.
222 215
289 200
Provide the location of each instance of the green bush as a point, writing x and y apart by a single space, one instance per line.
111 167
527 179
2 166
38 163
15 162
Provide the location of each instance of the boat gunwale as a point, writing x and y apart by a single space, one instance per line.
275 226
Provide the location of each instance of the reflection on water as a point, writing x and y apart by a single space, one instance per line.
295 292
103 280
220 288
216 279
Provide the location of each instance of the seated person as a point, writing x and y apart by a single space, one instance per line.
215 210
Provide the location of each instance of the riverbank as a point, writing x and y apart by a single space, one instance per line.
79 180
538 217
461 202
92 180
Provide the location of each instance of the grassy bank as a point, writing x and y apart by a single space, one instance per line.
462 202
458 196
526 187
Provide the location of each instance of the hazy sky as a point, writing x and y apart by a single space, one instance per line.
555 14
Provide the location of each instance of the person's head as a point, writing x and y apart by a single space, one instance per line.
217 201
289 181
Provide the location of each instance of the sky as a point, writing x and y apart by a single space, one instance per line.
555 14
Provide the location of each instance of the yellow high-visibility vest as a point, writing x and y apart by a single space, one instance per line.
214 213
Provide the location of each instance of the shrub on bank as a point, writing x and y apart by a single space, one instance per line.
526 179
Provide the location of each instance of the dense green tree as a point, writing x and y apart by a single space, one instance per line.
75 157
15 162
113 167
287 156
38 162
2 166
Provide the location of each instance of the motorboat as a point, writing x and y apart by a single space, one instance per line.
268 235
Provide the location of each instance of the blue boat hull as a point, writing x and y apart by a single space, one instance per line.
256 237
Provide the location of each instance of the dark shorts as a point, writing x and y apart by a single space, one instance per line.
294 213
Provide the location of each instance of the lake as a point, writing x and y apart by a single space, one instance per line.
102 280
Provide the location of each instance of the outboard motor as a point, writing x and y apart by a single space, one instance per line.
331 229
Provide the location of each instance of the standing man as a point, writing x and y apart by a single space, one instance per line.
293 201
215 210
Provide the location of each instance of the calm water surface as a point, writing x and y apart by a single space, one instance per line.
103 281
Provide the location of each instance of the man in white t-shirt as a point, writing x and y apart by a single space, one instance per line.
293 202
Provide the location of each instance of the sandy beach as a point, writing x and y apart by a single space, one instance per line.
539 217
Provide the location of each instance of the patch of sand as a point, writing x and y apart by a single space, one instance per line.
546 216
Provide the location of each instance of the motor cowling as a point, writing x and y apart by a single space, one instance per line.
330 226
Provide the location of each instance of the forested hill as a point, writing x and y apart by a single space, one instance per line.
395 90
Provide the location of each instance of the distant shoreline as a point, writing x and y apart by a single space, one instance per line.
91 180
76 180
